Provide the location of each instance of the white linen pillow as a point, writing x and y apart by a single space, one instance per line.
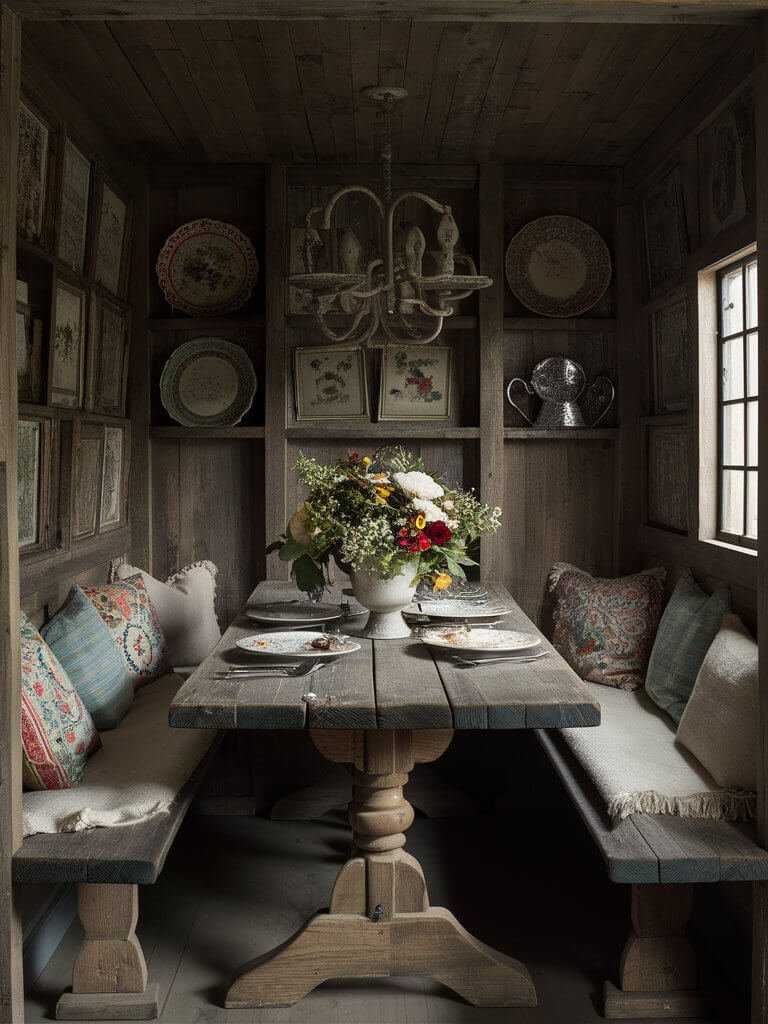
185 607
719 724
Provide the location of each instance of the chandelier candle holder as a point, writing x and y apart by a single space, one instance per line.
390 300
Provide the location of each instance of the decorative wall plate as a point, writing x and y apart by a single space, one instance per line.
207 267
558 266
208 382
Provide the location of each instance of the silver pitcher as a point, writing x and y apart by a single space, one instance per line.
560 382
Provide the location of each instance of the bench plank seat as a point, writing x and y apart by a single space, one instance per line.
653 848
122 854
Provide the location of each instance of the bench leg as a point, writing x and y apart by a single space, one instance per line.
109 979
658 966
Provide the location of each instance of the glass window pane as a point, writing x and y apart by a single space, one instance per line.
733 369
751 272
751 530
752 364
733 435
752 434
732 302
732 510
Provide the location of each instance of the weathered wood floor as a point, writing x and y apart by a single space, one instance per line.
234 887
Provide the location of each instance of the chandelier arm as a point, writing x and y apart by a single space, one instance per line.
329 206
425 307
411 339
346 335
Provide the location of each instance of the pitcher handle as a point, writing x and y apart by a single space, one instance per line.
528 388
611 390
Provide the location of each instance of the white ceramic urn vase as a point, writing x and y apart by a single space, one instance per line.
385 599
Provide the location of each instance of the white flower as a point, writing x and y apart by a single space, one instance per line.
448 504
418 485
430 511
451 524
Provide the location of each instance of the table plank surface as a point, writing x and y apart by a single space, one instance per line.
388 684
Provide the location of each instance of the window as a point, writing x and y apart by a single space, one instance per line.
737 402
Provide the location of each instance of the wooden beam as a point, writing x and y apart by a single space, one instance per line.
622 11
11 981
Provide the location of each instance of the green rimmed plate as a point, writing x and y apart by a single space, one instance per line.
208 382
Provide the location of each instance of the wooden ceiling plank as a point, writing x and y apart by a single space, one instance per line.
215 31
445 73
305 39
234 85
364 38
477 65
259 73
423 45
517 40
659 41
184 88
596 54
394 43
285 89
131 39
627 11
337 67
564 62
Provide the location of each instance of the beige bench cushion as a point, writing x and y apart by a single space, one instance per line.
140 768
637 765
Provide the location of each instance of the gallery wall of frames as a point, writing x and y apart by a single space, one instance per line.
73 331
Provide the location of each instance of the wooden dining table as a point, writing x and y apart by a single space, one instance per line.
381 710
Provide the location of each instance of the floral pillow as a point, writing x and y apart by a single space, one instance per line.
57 732
604 628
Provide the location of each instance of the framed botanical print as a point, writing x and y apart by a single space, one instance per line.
73 213
415 383
87 469
108 358
34 480
110 258
66 359
666 498
726 152
669 348
33 161
330 384
665 236
114 478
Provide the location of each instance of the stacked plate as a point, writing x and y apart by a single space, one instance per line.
479 643
301 613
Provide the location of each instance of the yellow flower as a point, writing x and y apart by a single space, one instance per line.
380 501
420 522
442 581
383 492
365 460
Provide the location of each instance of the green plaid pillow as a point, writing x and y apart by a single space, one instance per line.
688 626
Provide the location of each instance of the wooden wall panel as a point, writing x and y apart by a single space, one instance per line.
559 505
208 503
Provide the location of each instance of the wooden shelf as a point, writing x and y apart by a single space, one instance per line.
306 321
29 248
213 433
205 323
393 429
549 323
561 434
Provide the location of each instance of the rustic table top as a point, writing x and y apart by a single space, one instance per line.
388 684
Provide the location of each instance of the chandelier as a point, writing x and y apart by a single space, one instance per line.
389 298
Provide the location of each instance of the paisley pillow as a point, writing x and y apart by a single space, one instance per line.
110 642
604 628
57 732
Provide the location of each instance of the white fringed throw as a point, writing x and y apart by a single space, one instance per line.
142 765
638 767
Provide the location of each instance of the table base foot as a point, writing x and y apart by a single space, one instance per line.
428 944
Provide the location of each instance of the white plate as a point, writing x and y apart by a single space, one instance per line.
457 610
293 613
294 645
480 641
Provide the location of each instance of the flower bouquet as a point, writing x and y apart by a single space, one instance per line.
387 522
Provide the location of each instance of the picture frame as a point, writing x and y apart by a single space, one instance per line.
34 160
726 158
68 340
75 199
666 247
669 357
87 469
666 476
415 383
113 499
108 355
111 234
330 383
34 460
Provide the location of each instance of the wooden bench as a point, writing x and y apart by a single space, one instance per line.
662 857
109 978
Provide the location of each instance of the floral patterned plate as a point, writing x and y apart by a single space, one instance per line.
208 382
457 609
298 644
463 638
207 267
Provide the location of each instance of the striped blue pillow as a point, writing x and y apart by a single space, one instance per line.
83 644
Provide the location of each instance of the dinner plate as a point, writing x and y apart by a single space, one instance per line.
293 613
296 645
480 641
457 609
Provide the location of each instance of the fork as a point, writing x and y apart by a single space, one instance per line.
275 670
473 663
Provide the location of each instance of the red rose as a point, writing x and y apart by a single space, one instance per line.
424 542
404 542
438 533
413 547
